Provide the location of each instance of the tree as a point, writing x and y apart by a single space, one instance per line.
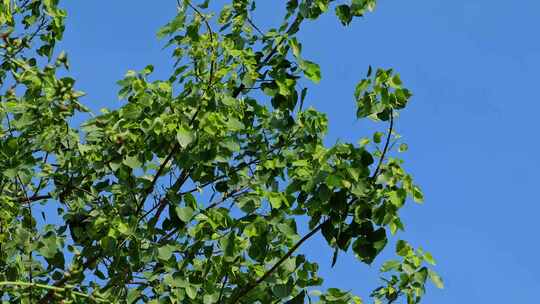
197 188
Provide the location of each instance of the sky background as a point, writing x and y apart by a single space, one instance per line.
471 126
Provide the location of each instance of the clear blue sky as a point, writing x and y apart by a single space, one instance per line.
471 126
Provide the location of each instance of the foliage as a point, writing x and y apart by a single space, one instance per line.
193 191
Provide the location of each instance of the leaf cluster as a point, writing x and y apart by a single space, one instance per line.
196 189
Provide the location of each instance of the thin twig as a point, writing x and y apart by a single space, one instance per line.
240 167
174 150
34 198
293 27
163 201
32 36
385 150
254 26
211 33
40 183
223 287
30 258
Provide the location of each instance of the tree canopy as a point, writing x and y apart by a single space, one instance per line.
199 188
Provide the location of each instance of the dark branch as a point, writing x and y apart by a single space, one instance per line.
34 198
223 287
385 150
150 189
245 290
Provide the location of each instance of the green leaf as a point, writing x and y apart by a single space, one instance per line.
403 248
229 101
133 295
397 197
234 124
429 258
311 70
10 173
403 148
298 299
228 244
211 298
334 181
377 137
49 248
395 81
286 229
436 279
123 228
296 47
418 196
184 137
363 141
108 244
276 200
185 213
357 300
164 86
368 247
148 69
165 252
344 14
390 265
191 291
132 162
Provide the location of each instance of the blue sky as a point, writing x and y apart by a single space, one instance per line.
471 126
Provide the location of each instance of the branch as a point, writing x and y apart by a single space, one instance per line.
223 287
150 189
254 26
398 293
233 194
236 169
163 201
40 27
208 27
48 297
245 290
34 198
176 147
295 24
385 150
41 180
211 33
30 258
52 288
